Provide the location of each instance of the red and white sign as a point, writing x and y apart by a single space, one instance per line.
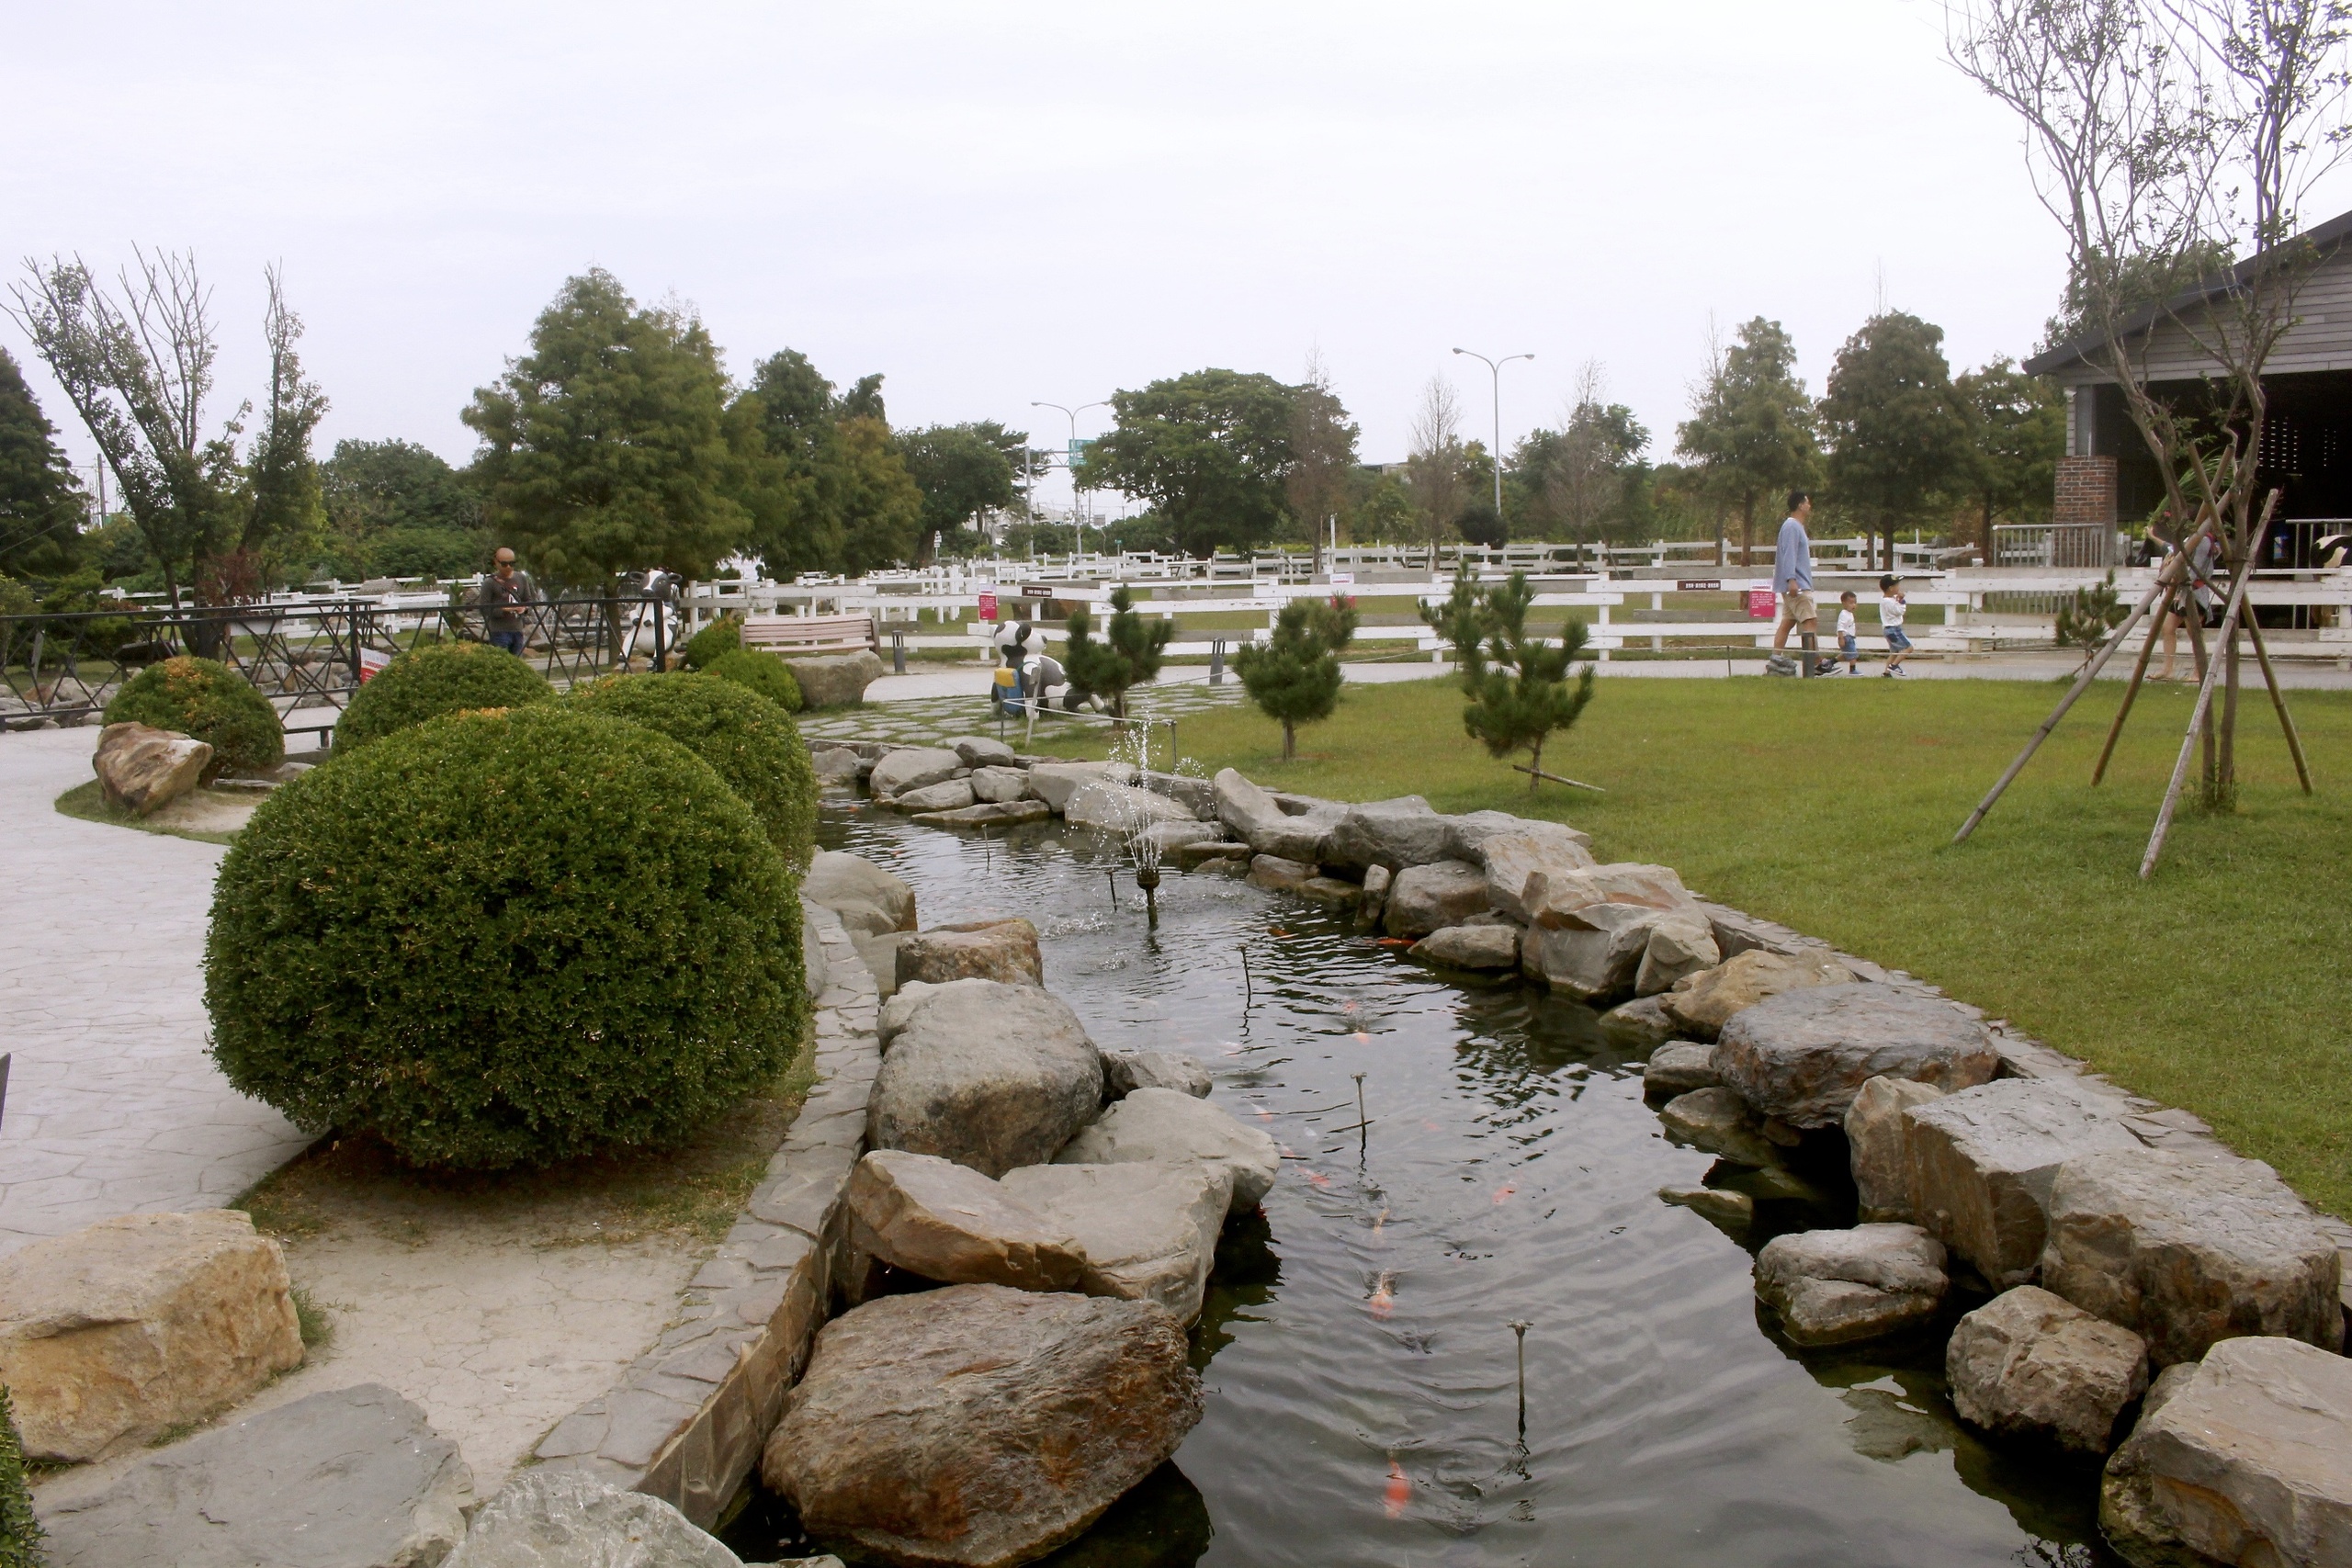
371 659
987 605
1761 603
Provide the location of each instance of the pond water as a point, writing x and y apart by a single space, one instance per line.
1364 1398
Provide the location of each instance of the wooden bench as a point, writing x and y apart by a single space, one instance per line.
791 636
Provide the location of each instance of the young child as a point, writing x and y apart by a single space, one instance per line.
1890 607
1847 631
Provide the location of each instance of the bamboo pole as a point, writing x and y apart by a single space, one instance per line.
2131 692
2197 722
2278 702
1538 773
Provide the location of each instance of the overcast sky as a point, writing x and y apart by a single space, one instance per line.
999 203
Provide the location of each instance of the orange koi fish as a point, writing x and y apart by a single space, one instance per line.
1502 1193
1399 1494
1383 1301
1321 1180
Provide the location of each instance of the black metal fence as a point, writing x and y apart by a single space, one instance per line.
306 657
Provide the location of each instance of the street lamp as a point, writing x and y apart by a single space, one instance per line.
1075 512
1495 369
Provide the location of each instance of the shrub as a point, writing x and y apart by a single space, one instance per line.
427 683
752 743
205 698
505 937
723 636
20 1533
764 672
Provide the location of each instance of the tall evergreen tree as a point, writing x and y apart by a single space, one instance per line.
1898 435
962 471
1751 425
41 504
1294 676
820 478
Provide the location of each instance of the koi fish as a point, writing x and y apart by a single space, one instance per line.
1502 1193
1276 930
1351 1007
1263 1114
1380 1225
1399 1494
1383 1301
1392 942
1321 1180
1364 1037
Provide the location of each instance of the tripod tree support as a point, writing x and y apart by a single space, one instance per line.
2196 727
2278 702
2132 692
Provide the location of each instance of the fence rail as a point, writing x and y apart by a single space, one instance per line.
307 659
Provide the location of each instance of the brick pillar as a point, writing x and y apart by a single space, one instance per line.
2086 491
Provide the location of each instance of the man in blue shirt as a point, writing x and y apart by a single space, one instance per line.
1793 580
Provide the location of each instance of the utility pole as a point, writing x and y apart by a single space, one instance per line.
1075 515
1495 370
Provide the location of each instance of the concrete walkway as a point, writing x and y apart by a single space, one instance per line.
113 1105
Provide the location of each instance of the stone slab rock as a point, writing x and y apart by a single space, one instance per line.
1188 856
350 1478
1393 833
1878 1144
1703 1003
1719 1121
1276 875
1146 1233
2031 1364
980 751
552 1516
983 950
977 1426
836 765
1196 796
1164 1126
1424 898
1111 808
880 957
113 1334
1513 850
992 814
1168 837
949 794
2248 1459
835 679
946 1222
1472 830
989 1076
1802 1055
1979 1165
1720 1204
869 900
913 767
1470 947
140 767
1330 892
1124 1072
1833 1286
1374 897
999 784
1261 820
1681 943
2189 1251
1596 958
1638 1025
1055 782
898 1010
1559 898
1679 1066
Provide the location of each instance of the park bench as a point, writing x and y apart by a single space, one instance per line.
792 636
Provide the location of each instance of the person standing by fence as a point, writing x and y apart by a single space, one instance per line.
1793 580
505 593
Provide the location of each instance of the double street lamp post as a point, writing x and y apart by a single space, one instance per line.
1076 513
1495 372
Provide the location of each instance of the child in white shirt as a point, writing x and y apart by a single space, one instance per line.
1891 608
1847 631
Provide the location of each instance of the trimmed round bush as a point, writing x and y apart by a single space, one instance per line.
206 699
754 744
501 939
724 635
763 672
441 678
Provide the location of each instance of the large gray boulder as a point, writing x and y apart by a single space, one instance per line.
1267 825
1424 898
835 679
949 1222
1167 837
913 767
2247 1459
2031 1364
1163 1126
1124 1072
1702 1004
987 1075
1000 787
140 767
949 794
985 950
1276 875
1055 782
1112 807
1679 1066
979 1425
1144 1232
1802 1055
1196 796
1878 1134
1681 941
869 900
1473 831
2188 1252
1592 925
1638 1025
554 1516
1719 1121
1832 1287
1470 947
1563 892
985 814
835 765
1512 850
1598 957
981 751
1979 1165
1393 833
350 1478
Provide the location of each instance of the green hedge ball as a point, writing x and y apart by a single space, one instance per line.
440 678
206 699
763 672
752 742
502 939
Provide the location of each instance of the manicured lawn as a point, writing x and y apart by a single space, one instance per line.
2223 986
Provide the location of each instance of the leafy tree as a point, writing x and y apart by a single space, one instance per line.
961 472
820 477
283 512
1211 450
2017 431
1383 508
40 502
1128 653
1751 425
1293 677
1437 469
1518 683
1322 452
605 448
1898 434
396 509
865 488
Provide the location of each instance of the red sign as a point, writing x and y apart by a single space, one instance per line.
371 659
1761 602
988 606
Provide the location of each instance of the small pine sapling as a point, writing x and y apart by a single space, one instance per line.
1293 677
1518 686
1461 620
2088 616
1128 653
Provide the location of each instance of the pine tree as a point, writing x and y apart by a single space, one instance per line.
1127 654
2087 616
41 504
1295 677
1519 683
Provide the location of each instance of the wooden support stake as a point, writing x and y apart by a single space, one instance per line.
2278 702
2197 723
1555 778
2131 692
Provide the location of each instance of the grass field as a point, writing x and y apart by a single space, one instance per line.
2223 986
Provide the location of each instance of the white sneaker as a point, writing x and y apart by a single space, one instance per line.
1900 673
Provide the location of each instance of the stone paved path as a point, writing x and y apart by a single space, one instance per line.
113 1106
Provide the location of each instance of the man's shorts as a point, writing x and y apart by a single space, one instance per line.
1896 641
1797 608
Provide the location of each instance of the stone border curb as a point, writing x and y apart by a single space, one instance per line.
685 1420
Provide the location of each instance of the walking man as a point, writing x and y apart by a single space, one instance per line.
504 592
1793 580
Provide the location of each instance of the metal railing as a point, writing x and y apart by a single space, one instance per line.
306 658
